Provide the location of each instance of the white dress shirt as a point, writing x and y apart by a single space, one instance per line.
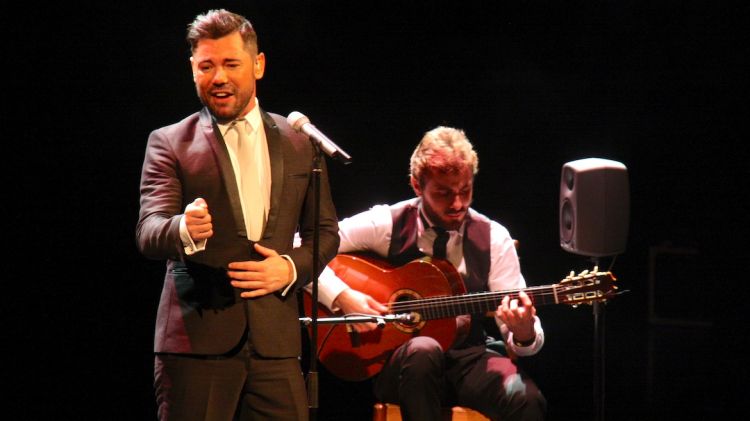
255 123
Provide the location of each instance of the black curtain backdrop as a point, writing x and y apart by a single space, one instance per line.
658 86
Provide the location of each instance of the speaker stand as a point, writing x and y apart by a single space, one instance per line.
598 377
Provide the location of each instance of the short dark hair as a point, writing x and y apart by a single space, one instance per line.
219 23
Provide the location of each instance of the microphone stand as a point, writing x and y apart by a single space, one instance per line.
314 321
598 377
312 376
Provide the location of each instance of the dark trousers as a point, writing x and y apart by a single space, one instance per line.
421 379
239 386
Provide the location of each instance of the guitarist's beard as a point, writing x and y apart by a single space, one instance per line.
446 195
451 219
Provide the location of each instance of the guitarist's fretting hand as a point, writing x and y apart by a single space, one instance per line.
351 301
518 315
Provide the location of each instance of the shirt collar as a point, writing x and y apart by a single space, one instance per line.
253 119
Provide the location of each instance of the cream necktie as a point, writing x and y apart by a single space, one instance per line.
250 163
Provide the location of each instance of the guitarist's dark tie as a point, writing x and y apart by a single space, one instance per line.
438 247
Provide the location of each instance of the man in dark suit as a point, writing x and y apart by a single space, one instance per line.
222 194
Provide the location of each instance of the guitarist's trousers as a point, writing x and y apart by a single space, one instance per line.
421 378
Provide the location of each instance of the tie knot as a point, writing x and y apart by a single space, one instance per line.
240 126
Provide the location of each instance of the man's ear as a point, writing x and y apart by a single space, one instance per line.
259 68
192 67
415 186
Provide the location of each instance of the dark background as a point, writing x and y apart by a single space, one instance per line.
657 86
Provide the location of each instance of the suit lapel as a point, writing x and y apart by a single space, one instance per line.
276 157
213 135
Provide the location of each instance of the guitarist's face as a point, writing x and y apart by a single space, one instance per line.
446 196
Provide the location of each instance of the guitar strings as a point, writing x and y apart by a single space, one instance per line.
477 297
439 306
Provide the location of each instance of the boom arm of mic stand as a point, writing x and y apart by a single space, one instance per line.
361 318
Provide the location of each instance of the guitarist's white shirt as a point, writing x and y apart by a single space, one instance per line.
371 231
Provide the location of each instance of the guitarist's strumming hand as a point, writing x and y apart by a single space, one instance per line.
518 314
351 301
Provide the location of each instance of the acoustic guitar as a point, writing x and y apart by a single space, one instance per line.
424 297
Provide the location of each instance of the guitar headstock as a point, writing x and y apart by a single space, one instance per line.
586 287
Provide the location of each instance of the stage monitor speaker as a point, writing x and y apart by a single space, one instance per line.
594 207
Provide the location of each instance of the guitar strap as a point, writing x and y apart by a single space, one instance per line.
476 250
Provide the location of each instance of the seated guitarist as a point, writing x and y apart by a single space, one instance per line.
420 376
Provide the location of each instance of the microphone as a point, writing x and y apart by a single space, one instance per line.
412 317
301 123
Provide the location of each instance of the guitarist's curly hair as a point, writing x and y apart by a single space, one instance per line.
445 150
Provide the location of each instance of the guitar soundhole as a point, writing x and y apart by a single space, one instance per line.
399 305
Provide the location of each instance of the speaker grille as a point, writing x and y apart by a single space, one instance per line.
566 221
594 207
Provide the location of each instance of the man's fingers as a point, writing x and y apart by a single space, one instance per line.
198 208
265 251
197 213
254 288
375 305
524 298
513 305
202 235
242 272
254 293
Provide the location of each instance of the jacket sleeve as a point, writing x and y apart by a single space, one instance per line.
157 232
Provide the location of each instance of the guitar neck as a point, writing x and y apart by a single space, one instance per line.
473 303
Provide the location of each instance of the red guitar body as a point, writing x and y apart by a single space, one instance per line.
357 358
433 292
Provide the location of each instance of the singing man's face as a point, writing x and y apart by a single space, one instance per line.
225 73
446 197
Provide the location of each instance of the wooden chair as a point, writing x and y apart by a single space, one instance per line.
392 412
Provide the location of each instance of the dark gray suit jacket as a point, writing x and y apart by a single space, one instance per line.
199 311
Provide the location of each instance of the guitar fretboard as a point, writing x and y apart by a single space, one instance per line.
472 303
